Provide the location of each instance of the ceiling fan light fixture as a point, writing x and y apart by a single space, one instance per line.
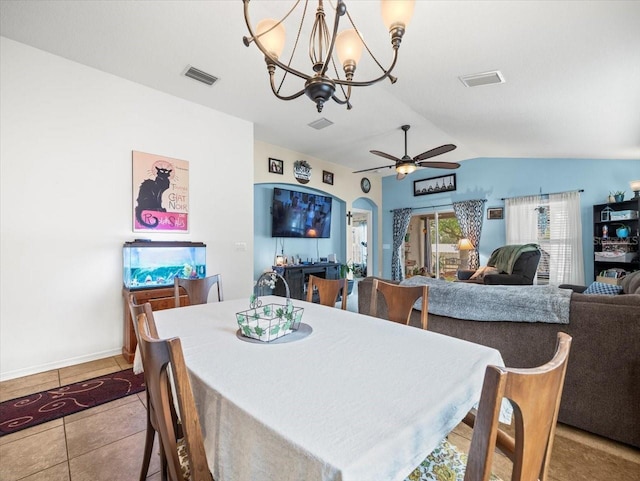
406 168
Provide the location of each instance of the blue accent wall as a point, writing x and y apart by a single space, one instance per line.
267 247
497 178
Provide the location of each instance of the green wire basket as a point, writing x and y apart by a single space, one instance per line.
269 322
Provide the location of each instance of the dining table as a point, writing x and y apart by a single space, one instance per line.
346 397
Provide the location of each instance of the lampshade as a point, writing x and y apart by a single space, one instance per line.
635 186
465 245
406 168
349 46
272 40
397 12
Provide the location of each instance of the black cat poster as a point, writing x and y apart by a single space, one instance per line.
160 193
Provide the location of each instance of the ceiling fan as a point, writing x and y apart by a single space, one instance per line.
406 164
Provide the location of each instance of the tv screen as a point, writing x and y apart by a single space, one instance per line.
298 214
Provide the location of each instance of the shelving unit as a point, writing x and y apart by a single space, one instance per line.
628 259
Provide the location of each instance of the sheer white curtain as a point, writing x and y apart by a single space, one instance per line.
555 224
565 242
521 219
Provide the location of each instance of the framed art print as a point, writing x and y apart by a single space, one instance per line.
160 193
434 185
327 177
276 166
495 213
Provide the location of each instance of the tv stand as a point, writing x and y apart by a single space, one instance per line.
297 277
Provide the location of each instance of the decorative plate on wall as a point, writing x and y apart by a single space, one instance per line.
302 171
365 185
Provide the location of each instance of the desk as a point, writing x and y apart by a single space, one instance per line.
359 399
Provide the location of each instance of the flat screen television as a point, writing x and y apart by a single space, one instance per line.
299 214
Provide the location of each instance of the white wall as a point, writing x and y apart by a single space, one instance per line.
66 136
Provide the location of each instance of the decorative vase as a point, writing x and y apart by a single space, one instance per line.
612 199
622 232
619 197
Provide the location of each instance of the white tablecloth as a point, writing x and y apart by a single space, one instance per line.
359 399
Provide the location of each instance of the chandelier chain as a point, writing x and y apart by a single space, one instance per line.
295 45
364 43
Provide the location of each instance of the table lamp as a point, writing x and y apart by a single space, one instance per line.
635 187
464 246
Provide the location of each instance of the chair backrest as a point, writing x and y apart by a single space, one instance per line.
328 291
535 396
137 309
400 301
166 372
197 289
527 265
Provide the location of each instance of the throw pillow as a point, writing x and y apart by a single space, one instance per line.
631 283
603 288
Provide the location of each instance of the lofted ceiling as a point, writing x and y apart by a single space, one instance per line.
572 71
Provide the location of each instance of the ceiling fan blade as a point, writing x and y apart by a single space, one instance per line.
438 165
386 156
443 149
374 168
400 176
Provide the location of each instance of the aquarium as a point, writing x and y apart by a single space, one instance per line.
155 264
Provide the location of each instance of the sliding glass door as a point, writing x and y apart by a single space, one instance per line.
431 245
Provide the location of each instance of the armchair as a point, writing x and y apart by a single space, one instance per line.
522 273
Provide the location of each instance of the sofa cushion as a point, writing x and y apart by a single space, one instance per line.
631 283
603 288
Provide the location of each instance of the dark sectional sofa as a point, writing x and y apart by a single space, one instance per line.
602 386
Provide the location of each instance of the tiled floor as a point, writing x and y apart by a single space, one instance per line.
106 442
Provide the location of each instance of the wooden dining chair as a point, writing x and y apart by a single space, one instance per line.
136 310
400 301
197 289
180 435
535 396
328 291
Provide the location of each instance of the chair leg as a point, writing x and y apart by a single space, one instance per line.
148 449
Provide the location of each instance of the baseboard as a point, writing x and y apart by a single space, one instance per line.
5 376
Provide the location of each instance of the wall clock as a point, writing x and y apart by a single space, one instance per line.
365 185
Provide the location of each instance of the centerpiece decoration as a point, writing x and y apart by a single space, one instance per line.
270 321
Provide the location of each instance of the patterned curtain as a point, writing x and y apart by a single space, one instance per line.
401 219
470 214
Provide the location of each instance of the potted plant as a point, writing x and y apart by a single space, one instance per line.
618 195
346 270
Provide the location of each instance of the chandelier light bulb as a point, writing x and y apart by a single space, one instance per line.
397 13
272 36
349 47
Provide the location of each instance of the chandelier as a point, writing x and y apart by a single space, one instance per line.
321 85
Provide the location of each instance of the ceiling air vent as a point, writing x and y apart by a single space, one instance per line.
320 123
200 76
486 78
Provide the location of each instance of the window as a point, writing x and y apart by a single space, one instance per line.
553 222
